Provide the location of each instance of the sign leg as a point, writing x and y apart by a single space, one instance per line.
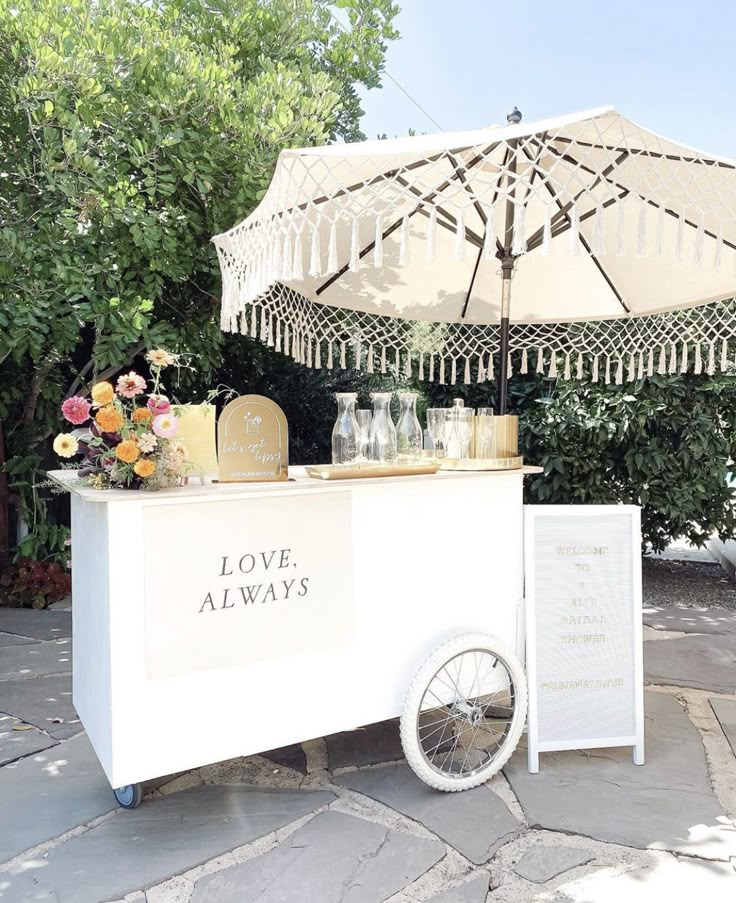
533 761
639 754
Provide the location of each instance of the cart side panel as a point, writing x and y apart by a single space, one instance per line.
91 625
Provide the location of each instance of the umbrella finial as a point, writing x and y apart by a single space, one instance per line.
514 117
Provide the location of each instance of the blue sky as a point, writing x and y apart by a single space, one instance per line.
671 66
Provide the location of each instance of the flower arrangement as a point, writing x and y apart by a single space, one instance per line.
126 435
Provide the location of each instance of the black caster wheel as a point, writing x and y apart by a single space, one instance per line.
130 796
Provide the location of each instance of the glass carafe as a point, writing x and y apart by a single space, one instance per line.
382 435
408 430
364 418
346 432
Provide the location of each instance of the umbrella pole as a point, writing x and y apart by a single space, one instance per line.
507 267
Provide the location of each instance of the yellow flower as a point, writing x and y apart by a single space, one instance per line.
145 467
141 415
160 358
102 393
109 419
127 451
65 445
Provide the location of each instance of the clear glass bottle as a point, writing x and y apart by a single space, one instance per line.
408 429
382 436
459 430
364 418
346 432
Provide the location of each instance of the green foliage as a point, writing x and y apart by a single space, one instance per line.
130 133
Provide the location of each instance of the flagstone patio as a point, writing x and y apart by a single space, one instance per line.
343 819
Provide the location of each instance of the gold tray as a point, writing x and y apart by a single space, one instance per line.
514 463
366 471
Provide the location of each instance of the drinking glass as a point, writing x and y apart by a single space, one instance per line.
436 420
459 431
346 432
408 429
382 435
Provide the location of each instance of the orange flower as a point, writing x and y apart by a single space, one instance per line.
145 467
141 415
127 451
102 393
109 419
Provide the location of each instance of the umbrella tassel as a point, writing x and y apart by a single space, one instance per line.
595 368
574 231
711 369
286 340
540 360
271 334
442 371
683 360
620 245
641 238
608 370
650 362
358 355
509 366
369 365
698 365
673 358
553 364
460 235
724 356
407 366
662 368
318 355
718 253
466 375
566 373
490 370
315 261
547 231
354 264
404 247
330 355
579 368
421 365
264 330
397 364
489 236
378 243
287 258
453 372
699 242
342 355
253 323
620 371
383 359
243 324
659 240
597 244
481 369
524 361
277 258
332 265
640 367
431 232
518 245
431 368
680 237
631 372
298 270
309 353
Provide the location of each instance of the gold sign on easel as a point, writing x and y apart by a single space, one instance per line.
252 441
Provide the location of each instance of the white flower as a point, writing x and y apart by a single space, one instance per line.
147 442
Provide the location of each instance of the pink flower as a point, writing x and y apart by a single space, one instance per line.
76 409
130 385
158 404
165 425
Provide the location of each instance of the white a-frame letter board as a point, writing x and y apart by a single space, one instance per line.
582 570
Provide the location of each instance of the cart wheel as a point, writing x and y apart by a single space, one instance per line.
464 713
129 796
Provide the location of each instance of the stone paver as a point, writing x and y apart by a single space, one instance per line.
137 849
475 822
36 660
691 620
672 880
543 862
701 662
40 625
335 858
50 793
369 745
42 702
12 639
14 744
667 804
291 756
725 712
473 891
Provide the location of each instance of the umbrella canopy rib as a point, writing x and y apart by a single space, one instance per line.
639 151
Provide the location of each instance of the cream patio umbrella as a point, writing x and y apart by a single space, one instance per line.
402 254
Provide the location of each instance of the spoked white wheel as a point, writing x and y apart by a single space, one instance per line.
464 713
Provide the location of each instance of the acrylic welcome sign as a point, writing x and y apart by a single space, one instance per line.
252 441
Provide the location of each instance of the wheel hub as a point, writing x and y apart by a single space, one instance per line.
464 711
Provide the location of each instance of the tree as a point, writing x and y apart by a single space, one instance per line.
130 133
